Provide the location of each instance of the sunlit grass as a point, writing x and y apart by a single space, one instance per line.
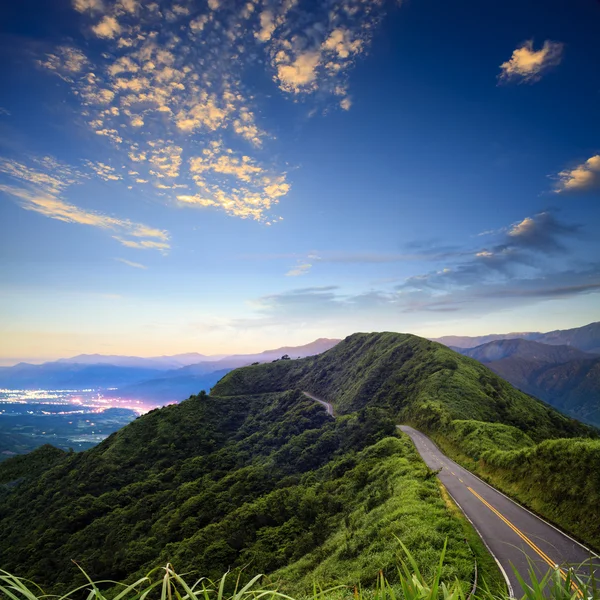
164 583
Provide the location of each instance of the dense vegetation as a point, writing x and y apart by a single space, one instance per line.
258 475
269 481
413 379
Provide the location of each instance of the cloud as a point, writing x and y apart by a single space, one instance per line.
105 172
88 5
4 112
108 27
299 269
528 65
130 263
584 177
40 192
169 82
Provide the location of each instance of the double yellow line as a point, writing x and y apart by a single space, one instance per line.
538 550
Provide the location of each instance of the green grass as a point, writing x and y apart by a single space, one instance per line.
410 583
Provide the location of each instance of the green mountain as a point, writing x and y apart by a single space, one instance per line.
259 475
413 379
560 375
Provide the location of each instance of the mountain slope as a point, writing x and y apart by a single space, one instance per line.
560 375
415 379
586 338
213 483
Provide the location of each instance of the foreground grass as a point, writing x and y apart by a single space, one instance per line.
164 583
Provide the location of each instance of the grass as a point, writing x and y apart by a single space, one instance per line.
164 583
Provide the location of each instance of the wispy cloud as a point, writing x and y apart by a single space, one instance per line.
585 176
300 269
527 65
528 261
130 263
39 191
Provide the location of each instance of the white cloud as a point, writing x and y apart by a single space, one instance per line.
40 192
300 74
88 5
527 65
105 172
170 82
108 27
585 176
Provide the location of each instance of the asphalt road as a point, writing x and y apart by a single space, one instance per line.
327 405
512 534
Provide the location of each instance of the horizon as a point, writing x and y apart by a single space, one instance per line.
217 177
9 362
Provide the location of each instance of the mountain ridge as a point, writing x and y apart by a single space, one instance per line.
585 338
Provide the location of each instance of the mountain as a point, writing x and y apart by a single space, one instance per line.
57 375
173 388
162 363
560 375
111 371
182 383
515 350
586 338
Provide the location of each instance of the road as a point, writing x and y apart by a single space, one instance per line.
327 405
512 534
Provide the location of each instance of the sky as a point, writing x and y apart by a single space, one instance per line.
221 176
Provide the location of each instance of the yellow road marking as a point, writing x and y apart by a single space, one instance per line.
460 480
539 551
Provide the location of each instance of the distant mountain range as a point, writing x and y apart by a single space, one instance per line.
586 338
563 376
162 378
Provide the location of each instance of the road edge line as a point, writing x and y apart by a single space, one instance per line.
511 592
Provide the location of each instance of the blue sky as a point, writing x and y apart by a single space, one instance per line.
222 176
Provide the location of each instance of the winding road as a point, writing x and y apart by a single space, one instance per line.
514 536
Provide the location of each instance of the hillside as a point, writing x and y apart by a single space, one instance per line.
414 379
586 338
271 482
560 375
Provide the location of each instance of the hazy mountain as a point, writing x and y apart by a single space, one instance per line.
96 371
525 349
179 384
586 338
58 375
162 363
172 389
560 375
